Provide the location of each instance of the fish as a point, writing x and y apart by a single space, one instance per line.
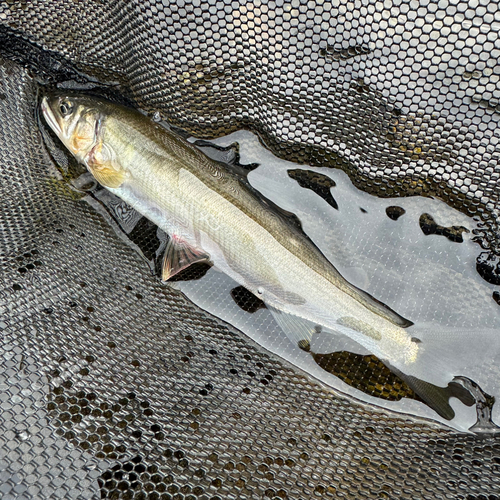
212 214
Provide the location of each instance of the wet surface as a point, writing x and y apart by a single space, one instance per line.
418 221
394 212
246 299
319 183
453 233
366 375
488 267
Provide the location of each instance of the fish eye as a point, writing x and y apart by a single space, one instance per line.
66 108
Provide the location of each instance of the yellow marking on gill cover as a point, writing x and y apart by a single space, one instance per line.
104 167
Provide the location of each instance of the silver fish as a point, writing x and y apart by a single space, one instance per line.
213 214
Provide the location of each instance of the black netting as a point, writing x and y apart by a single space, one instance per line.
114 385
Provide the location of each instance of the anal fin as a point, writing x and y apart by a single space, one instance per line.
178 256
295 328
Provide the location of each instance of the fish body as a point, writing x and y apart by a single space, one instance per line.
212 213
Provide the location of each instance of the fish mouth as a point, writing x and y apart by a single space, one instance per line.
50 117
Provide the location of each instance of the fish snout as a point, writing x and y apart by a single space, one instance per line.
48 106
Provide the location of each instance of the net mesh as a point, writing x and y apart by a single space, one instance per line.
115 386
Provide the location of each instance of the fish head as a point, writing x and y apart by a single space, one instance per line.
78 121
74 119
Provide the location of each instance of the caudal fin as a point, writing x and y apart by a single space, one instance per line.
436 397
443 354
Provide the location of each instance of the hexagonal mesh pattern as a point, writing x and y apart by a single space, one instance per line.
115 386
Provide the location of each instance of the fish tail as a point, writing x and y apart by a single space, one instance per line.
445 354
442 356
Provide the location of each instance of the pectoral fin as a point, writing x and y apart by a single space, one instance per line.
108 177
179 255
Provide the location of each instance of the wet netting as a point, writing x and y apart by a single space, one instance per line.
114 385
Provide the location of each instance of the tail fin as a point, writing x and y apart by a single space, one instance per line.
443 355
449 352
446 356
438 398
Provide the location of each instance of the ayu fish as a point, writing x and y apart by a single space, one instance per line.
211 213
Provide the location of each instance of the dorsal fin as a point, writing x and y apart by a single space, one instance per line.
230 155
